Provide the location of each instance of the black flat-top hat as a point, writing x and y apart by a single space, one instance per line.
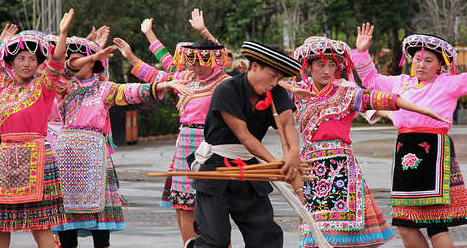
256 52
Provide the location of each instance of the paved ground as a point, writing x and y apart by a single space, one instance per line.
152 226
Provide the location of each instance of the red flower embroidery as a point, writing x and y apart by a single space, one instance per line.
410 161
322 188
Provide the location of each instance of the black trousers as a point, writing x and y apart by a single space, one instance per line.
69 238
252 214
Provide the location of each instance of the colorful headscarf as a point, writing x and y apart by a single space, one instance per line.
415 42
325 48
190 53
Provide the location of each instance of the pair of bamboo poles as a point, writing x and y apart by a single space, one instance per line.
254 172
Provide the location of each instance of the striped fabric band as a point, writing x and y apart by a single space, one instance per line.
258 52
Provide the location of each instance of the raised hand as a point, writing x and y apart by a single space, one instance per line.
125 50
104 54
242 67
65 22
122 46
146 25
365 34
102 35
180 87
9 30
197 20
92 35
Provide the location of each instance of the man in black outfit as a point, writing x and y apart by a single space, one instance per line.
232 124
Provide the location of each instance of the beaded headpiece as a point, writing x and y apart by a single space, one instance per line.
324 48
34 32
51 39
85 47
189 54
13 45
415 42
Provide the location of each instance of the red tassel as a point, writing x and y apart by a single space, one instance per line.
240 164
264 104
453 68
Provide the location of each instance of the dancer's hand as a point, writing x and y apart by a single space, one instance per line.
291 168
102 35
197 20
9 30
365 34
384 114
125 49
65 22
303 94
146 25
92 34
104 54
179 86
297 185
242 67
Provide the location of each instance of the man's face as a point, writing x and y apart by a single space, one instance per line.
264 78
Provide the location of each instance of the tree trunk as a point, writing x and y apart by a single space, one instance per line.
395 46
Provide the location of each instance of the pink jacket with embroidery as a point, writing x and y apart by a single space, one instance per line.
25 108
439 94
193 109
91 109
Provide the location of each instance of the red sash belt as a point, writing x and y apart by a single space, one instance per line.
431 130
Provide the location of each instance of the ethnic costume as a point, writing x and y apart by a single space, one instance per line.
31 196
427 185
339 199
246 202
91 201
167 60
193 110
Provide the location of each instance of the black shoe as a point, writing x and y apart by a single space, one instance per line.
190 243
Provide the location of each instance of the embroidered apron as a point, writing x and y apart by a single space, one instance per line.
81 156
22 168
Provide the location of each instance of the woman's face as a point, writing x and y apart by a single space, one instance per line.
25 65
323 73
427 67
86 71
202 71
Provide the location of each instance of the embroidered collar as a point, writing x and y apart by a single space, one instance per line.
324 91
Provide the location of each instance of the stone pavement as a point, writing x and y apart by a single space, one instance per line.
148 225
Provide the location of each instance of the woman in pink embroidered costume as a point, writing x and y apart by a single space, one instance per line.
339 199
207 60
91 200
30 188
427 187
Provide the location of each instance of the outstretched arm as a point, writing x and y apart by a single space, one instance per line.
377 100
56 61
76 64
157 48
